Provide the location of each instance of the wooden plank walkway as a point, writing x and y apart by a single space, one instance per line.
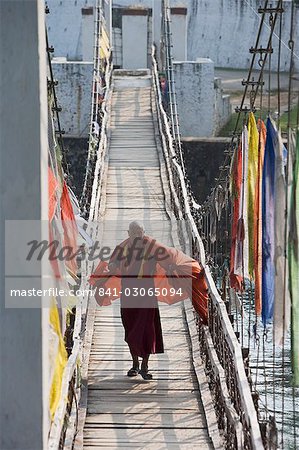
122 412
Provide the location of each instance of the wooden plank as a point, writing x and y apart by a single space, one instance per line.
117 384
129 435
147 446
187 419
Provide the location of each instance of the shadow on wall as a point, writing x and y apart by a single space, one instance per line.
203 159
76 155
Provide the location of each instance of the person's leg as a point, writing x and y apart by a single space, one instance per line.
135 360
133 372
144 369
144 364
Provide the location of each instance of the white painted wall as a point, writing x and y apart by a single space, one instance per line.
202 107
67 26
74 95
87 36
194 81
24 421
222 106
224 30
179 36
134 42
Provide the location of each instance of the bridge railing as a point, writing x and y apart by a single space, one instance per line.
220 348
102 66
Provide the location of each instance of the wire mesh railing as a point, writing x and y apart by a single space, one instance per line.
224 360
100 90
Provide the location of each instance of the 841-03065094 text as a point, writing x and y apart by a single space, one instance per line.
142 292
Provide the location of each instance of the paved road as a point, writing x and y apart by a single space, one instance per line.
232 79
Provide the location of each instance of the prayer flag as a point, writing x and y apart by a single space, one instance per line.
258 220
253 157
241 250
268 225
282 297
236 181
294 266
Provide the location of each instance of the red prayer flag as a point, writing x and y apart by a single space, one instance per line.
52 187
69 227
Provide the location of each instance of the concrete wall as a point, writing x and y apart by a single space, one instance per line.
222 106
179 34
70 28
24 388
134 41
202 107
74 95
195 96
86 50
224 30
117 47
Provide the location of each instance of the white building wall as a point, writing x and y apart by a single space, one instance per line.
87 35
225 30
134 41
222 106
74 94
24 384
65 28
179 36
194 81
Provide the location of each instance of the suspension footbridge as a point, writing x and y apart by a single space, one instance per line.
169 410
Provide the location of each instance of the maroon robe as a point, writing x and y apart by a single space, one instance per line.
139 313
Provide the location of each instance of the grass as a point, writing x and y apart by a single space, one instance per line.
229 128
293 119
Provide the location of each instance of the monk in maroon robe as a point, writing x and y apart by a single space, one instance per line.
141 272
139 310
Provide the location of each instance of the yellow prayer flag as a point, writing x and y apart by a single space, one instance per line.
60 361
253 145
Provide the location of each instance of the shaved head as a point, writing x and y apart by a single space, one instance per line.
136 229
136 226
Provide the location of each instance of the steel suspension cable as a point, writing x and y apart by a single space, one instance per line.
269 46
171 83
52 83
